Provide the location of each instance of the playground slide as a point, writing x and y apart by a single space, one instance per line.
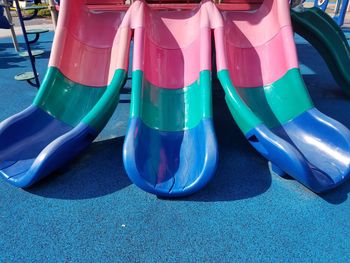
78 95
268 99
170 148
328 38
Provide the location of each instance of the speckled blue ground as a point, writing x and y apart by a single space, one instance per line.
90 211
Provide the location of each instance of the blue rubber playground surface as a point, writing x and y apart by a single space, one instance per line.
90 211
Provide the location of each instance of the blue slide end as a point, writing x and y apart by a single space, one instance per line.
312 148
170 164
33 144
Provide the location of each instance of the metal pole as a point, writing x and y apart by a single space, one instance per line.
32 59
337 7
12 28
54 13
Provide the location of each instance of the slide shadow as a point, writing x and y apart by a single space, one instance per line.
338 195
97 172
10 58
241 173
315 72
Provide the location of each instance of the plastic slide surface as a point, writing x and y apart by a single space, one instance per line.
170 148
78 95
258 68
328 38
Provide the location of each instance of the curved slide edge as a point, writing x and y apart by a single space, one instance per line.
277 116
170 164
33 143
161 156
170 148
311 147
322 32
24 173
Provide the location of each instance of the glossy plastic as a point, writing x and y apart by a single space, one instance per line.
170 164
170 147
329 40
67 114
278 117
60 96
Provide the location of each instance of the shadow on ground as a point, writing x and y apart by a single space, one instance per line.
330 99
100 171
242 173
97 172
10 59
337 195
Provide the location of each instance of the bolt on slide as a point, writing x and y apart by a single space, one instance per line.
77 97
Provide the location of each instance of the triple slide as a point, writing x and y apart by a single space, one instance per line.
170 147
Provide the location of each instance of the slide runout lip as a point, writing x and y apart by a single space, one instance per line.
330 139
156 174
168 188
16 123
291 160
61 149
53 156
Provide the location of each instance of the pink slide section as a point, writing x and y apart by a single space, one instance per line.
85 40
174 56
254 40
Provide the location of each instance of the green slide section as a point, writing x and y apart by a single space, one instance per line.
273 104
243 115
72 103
279 102
328 38
104 108
171 109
